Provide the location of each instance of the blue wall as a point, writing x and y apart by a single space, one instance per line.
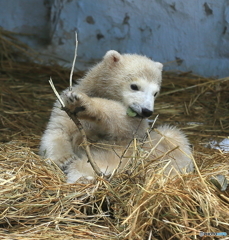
184 35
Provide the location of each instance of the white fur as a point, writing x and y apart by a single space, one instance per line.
106 94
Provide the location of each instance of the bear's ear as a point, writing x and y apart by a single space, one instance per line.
112 56
159 65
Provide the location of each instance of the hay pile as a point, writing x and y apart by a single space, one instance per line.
36 203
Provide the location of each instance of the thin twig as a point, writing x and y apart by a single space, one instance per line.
80 127
73 65
56 93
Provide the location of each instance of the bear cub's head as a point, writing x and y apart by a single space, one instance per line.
132 79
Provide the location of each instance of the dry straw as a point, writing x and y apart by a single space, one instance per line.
36 202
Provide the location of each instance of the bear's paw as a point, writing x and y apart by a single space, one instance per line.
75 102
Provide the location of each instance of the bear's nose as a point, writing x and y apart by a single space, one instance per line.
146 112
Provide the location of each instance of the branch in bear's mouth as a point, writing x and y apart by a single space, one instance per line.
80 127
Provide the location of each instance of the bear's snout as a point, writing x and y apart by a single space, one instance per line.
146 112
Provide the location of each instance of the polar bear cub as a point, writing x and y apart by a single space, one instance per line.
101 101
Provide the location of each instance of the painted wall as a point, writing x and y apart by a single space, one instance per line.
185 35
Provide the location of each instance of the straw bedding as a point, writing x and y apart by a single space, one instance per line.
36 202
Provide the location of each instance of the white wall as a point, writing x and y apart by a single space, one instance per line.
187 35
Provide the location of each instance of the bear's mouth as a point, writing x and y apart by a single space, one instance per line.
145 113
139 115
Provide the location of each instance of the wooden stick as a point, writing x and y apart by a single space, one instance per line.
56 93
73 65
74 118
80 127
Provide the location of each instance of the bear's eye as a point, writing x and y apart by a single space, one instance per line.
134 87
155 94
